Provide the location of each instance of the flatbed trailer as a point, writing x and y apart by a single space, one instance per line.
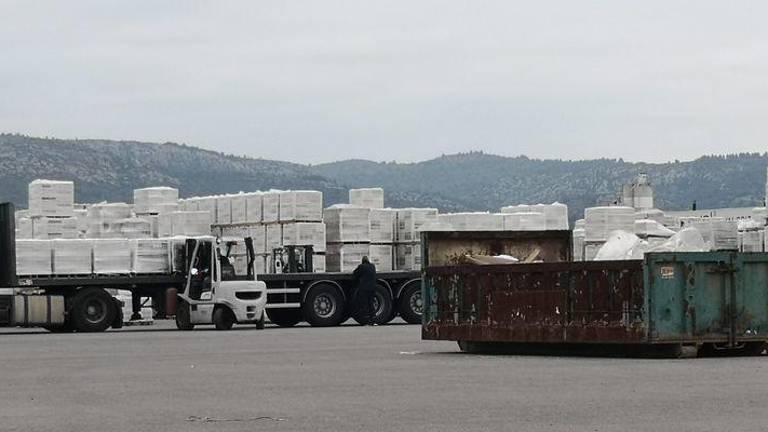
669 304
329 299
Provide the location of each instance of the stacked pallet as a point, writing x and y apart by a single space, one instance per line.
348 236
410 222
51 211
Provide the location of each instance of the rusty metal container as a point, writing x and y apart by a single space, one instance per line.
717 298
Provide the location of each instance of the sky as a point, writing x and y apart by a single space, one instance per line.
317 81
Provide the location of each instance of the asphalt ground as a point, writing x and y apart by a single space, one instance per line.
353 378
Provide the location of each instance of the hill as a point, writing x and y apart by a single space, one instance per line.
110 170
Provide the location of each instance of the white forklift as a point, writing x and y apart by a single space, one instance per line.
221 288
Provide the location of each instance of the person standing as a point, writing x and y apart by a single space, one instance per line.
365 275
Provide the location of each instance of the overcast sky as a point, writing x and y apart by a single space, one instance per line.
313 81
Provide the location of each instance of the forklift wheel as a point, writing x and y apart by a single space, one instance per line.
223 318
260 322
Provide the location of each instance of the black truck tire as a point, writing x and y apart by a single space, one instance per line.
383 312
324 306
93 310
261 321
284 317
223 318
183 321
410 305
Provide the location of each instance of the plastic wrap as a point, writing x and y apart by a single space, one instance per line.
471 222
270 206
33 257
408 256
579 234
382 256
372 198
258 234
381 224
51 198
601 221
555 215
343 257
685 240
651 228
154 200
207 204
410 221
239 208
305 234
718 232
520 208
318 263
192 223
49 228
133 228
24 228
151 255
102 216
72 257
621 245
273 238
524 221
253 207
301 206
223 210
752 241
345 223
111 256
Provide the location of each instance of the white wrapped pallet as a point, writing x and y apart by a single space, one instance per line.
601 221
346 223
191 204
381 225
270 206
238 206
223 210
591 250
318 263
154 200
260 264
556 215
33 257
273 237
408 256
382 256
191 223
410 221
111 256
51 198
301 206
253 207
344 257
578 243
81 216
479 221
524 221
372 198
258 233
305 234
24 228
71 257
207 204
236 232
752 241
653 214
49 228
151 255
760 215
718 232
133 228
102 216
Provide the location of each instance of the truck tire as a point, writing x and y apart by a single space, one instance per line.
324 306
284 317
410 305
223 318
383 310
93 310
183 321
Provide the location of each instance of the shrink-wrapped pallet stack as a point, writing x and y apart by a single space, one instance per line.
72 257
155 200
721 234
751 236
579 237
372 198
102 217
49 228
51 198
410 222
600 222
112 256
536 217
347 235
34 257
184 223
381 226
478 221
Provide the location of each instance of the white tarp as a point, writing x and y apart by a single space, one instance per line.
685 240
651 228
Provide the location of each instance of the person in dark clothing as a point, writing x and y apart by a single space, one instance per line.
365 275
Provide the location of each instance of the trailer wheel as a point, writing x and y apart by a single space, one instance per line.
324 306
183 321
411 304
223 318
284 317
260 322
384 307
93 310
